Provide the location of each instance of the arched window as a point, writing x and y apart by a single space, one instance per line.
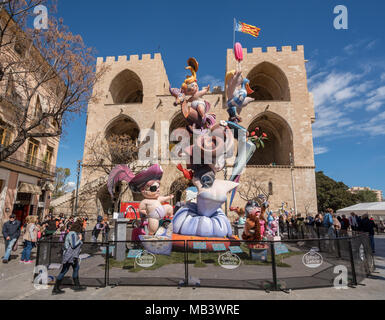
270 188
269 83
122 135
126 88
178 122
279 144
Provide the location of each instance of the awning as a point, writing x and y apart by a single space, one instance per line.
371 208
29 188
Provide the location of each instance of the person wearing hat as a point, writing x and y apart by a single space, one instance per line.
11 233
72 248
147 183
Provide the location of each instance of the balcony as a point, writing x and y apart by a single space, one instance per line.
27 161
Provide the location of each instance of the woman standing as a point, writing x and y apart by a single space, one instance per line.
29 238
72 247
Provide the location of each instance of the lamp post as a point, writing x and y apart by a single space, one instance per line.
292 182
77 188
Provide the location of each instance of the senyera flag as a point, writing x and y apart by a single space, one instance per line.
246 28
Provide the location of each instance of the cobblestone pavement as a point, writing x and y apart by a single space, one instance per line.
16 284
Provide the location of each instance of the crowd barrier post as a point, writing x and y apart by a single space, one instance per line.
274 267
49 251
352 263
318 236
185 248
107 266
338 244
38 253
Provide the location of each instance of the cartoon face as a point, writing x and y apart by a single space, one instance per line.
192 89
151 190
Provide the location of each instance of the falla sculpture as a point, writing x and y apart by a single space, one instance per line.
210 139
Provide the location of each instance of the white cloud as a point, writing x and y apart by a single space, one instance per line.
361 44
376 99
329 87
383 77
70 186
345 94
374 106
320 150
212 81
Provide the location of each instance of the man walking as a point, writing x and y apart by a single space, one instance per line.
368 226
353 221
11 233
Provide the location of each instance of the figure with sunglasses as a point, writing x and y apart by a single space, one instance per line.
152 207
147 183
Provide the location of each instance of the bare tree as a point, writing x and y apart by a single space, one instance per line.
46 76
251 189
102 155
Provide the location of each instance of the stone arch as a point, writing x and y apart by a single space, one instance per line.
123 124
178 121
178 189
104 200
126 87
280 140
124 132
269 82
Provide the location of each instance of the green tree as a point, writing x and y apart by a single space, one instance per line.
367 196
62 175
333 194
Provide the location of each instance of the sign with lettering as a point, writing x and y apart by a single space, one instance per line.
312 259
229 261
280 248
133 254
235 249
219 247
145 259
199 245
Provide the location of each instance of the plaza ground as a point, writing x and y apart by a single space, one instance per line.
16 284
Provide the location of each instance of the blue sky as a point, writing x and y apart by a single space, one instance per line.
346 68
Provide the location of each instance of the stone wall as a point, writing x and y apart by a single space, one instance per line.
291 114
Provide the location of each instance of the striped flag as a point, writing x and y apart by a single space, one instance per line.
246 28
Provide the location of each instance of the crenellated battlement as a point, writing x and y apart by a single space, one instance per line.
131 58
259 50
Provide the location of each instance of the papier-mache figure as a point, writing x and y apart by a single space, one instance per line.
272 229
194 108
237 91
148 184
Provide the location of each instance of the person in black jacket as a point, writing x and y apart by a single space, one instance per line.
368 226
11 233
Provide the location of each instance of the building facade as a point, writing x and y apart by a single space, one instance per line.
135 96
27 175
377 192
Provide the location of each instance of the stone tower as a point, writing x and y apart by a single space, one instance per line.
134 96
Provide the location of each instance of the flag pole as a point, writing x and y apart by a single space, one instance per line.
234 32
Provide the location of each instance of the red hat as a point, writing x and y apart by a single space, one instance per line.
155 172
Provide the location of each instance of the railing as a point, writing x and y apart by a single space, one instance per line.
263 265
27 161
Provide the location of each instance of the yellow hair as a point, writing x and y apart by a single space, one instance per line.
189 79
229 76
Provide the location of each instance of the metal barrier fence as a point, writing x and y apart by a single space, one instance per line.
305 258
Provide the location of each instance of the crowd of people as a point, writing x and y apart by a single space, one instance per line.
334 224
36 229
